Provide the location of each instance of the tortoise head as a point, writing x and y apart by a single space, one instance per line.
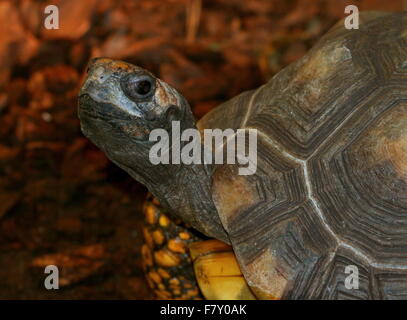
119 105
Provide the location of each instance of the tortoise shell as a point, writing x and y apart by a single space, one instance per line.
330 189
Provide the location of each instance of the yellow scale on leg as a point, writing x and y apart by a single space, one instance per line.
176 260
166 260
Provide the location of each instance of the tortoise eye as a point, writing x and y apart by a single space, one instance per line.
138 87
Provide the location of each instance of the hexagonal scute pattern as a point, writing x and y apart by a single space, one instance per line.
360 179
306 101
331 185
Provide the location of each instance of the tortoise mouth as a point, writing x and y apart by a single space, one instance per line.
99 110
93 113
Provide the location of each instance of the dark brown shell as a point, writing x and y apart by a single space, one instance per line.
331 183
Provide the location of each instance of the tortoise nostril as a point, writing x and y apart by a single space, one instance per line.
91 63
94 63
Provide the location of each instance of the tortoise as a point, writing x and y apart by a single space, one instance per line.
330 189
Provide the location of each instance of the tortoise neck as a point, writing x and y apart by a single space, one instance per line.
181 181
188 196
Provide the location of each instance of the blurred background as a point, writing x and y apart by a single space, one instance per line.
61 201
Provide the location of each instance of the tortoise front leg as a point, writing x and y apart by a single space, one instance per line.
165 255
172 252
